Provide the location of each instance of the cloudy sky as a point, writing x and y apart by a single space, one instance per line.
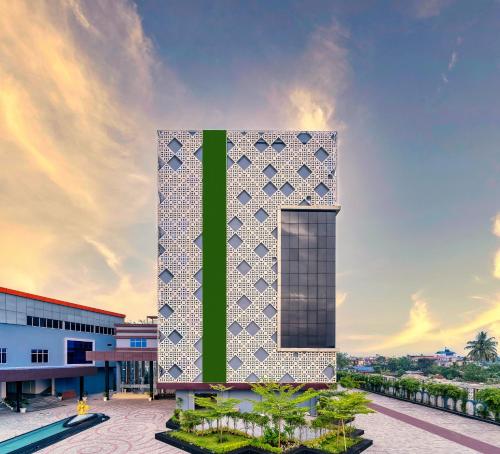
412 87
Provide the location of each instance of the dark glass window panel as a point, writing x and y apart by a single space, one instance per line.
36 321
307 267
76 352
49 323
29 320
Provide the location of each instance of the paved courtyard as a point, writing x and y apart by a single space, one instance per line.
391 434
397 427
130 429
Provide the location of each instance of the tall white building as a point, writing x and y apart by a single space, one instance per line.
246 267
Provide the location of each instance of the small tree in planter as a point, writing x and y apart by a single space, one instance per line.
280 402
342 408
219 407
255 420
189 419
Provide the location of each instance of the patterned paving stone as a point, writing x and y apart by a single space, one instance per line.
130 429
133 424
391 435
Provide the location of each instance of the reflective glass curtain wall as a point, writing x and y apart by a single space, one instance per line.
307 278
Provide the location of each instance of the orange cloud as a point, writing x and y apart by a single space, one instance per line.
76 141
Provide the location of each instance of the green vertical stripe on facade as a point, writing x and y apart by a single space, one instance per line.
214 256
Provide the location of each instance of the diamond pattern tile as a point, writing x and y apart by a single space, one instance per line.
321 154
235 223
261 145
166 311
174 145
244 267
175 163
244 197
287 189
252 328
270 171
235 241
304 137
278 145
304 171
175 371
269 189
261 250
261 215
166 276
244 162
321 190
235 362
287 378
261 285
235 328
261 354
175 336
269 311
243 302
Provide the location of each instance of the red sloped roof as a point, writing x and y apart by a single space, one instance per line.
59 302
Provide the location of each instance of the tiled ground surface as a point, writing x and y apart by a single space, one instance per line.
393 436
130 429
133 424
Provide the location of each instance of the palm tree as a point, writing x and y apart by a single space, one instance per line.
482 348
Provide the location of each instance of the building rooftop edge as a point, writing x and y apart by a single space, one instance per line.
251 130
46 299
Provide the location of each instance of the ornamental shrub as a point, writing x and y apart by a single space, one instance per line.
491 398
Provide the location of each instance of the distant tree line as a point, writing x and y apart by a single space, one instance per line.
481 363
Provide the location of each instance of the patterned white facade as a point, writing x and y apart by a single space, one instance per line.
266 170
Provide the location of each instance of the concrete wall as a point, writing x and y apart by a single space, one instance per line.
188 399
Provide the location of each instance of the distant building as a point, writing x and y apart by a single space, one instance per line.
446 357
364 369
44 341
415 358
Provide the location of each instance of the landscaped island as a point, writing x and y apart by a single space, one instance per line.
277 423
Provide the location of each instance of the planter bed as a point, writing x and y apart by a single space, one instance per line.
166 437
171 424
447 410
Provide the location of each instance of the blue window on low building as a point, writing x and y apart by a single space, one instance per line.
75 352
39 355
3 355
138 342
